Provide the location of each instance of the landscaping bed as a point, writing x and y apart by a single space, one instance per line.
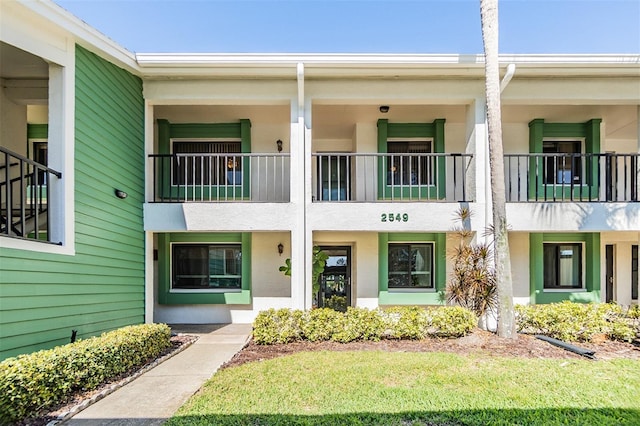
478 341
178 343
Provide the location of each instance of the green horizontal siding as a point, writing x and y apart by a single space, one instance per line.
101 287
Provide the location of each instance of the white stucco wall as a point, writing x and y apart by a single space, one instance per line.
519 247
13 131
266 280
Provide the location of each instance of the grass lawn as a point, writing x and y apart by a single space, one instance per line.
392 388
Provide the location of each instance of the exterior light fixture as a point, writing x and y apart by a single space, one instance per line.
120 194
280 249
384 109
279 143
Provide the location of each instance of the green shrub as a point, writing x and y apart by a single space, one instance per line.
277 326
633 312
32 382
406 322
359 324
409 322
571 321
451 321
321 324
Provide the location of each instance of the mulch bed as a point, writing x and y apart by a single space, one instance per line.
478 342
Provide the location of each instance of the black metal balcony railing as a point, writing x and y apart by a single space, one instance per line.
24 197
182 178
391 177
572 177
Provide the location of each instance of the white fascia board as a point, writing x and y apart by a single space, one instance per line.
381 65
287 59
84 34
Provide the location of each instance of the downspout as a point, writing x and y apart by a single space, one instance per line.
300 76
511 70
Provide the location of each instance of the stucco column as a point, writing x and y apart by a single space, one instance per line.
300 158
479 180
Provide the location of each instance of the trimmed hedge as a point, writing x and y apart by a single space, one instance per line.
581 322
285 325
32 382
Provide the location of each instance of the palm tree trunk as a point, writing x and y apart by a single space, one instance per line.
506 317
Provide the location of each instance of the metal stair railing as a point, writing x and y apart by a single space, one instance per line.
24 197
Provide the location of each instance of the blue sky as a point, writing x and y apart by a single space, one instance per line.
361 26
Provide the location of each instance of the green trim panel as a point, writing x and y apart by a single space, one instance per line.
434 130
166 297
37 131
426 297
538 131
45 296
591 267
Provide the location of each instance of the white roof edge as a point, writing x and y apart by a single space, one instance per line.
329 59
85 34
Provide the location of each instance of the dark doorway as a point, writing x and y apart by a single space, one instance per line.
334 177
335 281
609 273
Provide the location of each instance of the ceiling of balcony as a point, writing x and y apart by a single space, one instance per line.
338 121
18 64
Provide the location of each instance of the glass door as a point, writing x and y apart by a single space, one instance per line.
335 281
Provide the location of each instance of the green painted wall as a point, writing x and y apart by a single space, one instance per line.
44 296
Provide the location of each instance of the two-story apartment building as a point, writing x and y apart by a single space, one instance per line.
172 187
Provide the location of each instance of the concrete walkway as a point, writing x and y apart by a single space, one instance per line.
153 397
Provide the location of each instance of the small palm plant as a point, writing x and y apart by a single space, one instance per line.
319 261
472 283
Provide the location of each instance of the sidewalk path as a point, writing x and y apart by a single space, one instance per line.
153 397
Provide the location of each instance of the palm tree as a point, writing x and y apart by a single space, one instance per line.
506 317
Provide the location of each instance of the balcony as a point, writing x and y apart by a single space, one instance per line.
572 177
344 177
213 178
24 195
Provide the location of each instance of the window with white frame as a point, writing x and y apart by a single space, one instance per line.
410 265
562 265
206 266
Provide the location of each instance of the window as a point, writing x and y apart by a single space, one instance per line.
565 167
411 265
634 272
40 155
207 266
215 167
562 265
408 167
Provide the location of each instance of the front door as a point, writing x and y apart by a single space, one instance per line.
609 273
335 281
